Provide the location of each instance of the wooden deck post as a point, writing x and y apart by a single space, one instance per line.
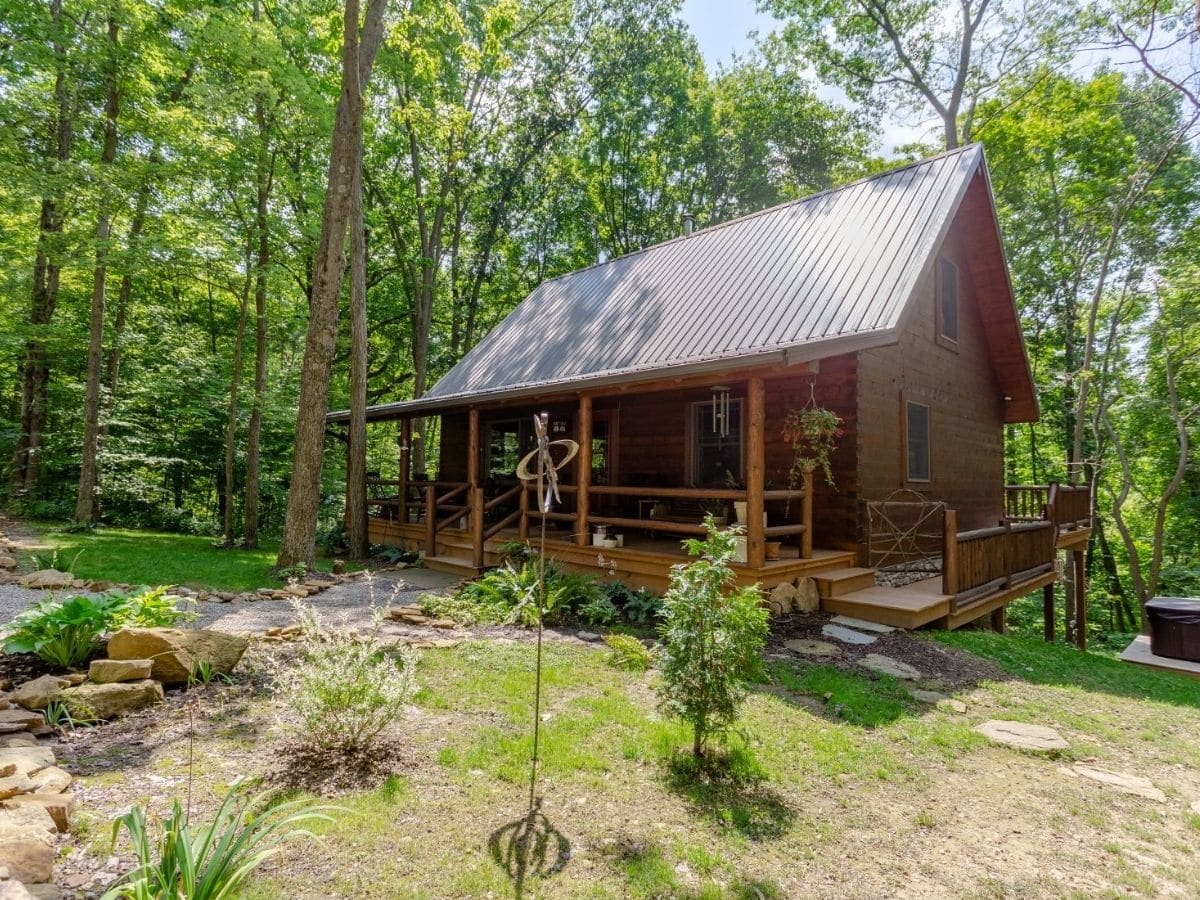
806 512
405 466
1080 600
950 554
431 520
1048 612
583 466
755 449
999 619
474 491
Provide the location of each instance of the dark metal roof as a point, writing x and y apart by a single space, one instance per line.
826 274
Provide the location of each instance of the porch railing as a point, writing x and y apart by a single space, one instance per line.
1071 504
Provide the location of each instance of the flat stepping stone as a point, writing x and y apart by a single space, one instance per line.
847 635
885 665
952 705
1126 784
1022 736
813 648
862 624
931 697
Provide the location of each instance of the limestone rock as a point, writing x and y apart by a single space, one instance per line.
1126 784
7 562
783 598
848 635
807 599
20 719
589 636
28 760
38 693
16 784
58 806
443 623
47 579
1022 736
107 701
813 648
862 624
20 739
107 671
952 705
51 780
885 665
931 697
177 652
26 847
43 892
14 890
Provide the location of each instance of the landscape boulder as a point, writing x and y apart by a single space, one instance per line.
38 693
47 579
58 806
7 562
26 844
107 671
807 599
26 760
176 653
783 597
107 701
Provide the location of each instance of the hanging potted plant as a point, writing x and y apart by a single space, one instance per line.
812 433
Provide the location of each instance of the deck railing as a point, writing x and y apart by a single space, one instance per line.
976 564
1071 504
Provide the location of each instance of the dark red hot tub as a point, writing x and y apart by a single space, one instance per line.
1174 627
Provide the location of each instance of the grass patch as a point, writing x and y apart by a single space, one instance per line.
126 556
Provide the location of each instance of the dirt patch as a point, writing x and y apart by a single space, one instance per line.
941 666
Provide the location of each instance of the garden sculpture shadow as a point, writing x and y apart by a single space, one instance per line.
529 847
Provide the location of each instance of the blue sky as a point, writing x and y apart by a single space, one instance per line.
722 29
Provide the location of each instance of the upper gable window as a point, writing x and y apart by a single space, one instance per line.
947 293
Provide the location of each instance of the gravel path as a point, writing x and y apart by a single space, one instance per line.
350 600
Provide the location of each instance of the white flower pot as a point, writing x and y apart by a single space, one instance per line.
739 550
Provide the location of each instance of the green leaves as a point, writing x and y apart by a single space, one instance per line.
712 637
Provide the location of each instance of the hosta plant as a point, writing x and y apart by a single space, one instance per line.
64 633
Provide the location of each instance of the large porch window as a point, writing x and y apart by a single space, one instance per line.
716 457
504 448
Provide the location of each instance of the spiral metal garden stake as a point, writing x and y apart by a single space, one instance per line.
546 476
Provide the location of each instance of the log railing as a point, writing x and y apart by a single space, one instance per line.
436 505
976 564
1072 504
1026 502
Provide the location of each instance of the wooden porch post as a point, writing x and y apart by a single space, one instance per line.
584 467
523 526
806 511
950 554
756 426
474 491
431 520
1080 599
405 466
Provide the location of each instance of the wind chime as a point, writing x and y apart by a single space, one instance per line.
720 411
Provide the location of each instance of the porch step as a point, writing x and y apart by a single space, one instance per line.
452 565
839 582
907 607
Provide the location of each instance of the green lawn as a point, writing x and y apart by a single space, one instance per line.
841 784
150 557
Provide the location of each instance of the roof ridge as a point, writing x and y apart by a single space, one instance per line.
761 212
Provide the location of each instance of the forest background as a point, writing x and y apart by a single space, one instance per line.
177 228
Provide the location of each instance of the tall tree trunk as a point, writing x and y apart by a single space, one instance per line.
35 370
85 503
356 455
265 177
300 521
121 314
235 382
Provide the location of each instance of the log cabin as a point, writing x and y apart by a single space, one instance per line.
886 301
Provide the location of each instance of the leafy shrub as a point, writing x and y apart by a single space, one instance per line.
209 862
331 539
627 652
63 633
712 635
66 632
449 606
516 553
598 610
343 690
638 605
394 554
153 608
509 595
